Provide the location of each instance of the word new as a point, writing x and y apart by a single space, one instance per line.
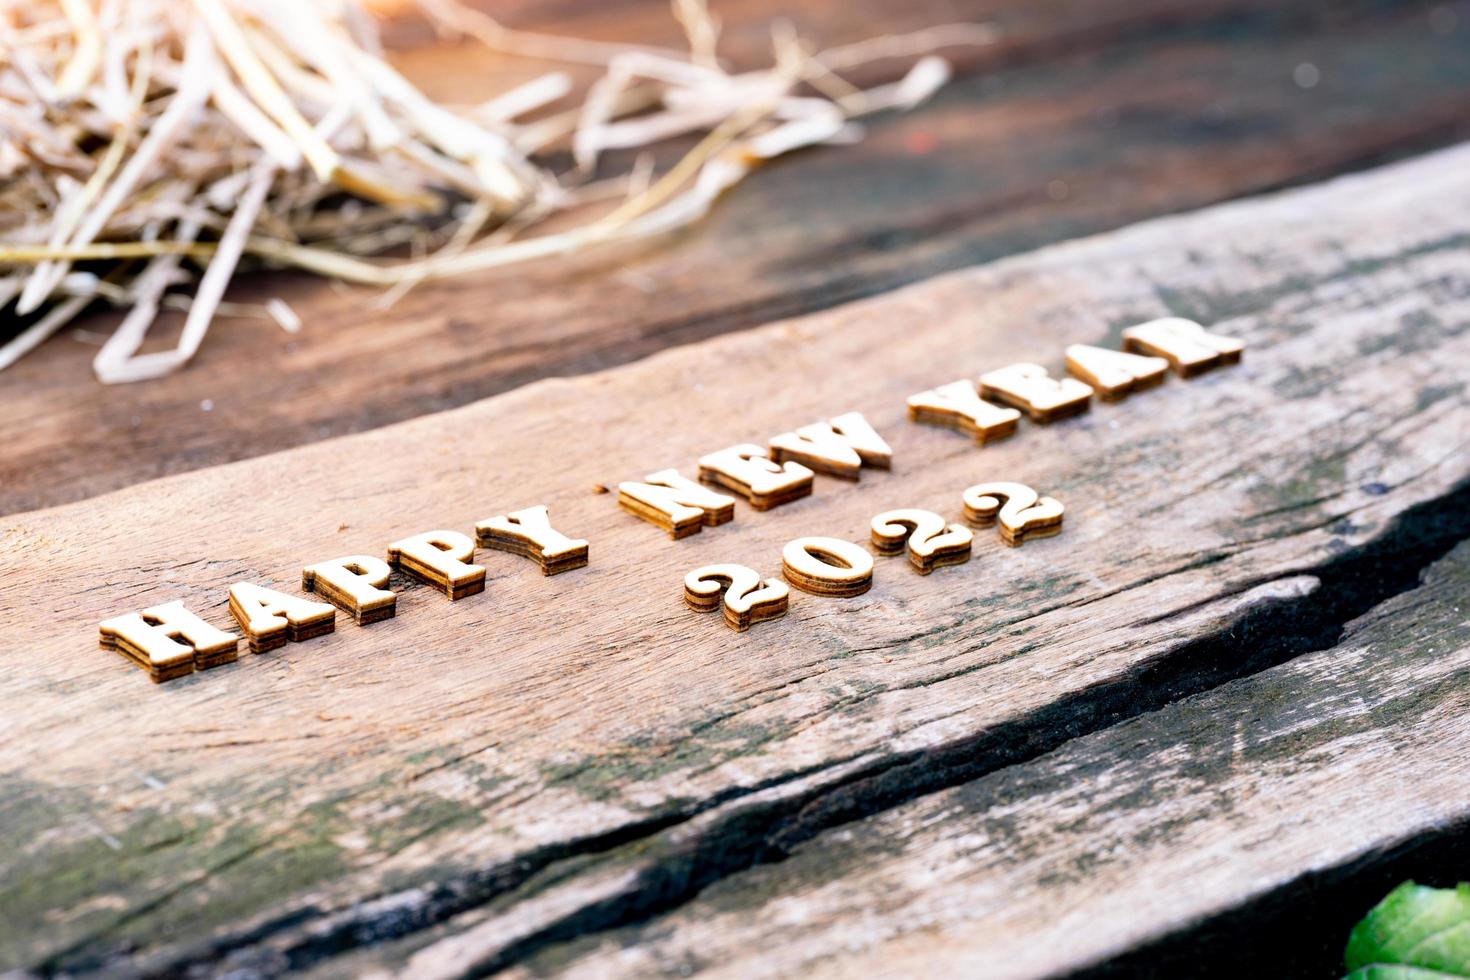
169 641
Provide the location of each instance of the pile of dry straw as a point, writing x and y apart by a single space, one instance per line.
157 143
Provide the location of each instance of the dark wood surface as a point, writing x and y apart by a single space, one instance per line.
504 781
1085 116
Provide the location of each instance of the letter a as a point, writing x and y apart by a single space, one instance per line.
270 618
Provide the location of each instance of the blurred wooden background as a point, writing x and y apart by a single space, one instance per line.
1085 116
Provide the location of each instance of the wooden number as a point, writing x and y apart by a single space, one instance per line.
827 566
441 559
355 585
270 618
748 471
958 405
675 503
746 599
529 533
1184 344
168 641
1022 513
930 543
1029 387
841 446
1113 373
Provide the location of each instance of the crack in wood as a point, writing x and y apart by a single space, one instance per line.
762 827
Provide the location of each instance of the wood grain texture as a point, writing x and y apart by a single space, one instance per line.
1117 838
455 763
1087 116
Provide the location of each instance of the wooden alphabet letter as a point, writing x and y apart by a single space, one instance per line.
930 543
355 585
529 533
1029 387
958 405
270 618
748 471
827 566
168 641
1184 344
676 504
1113 373
1023 514
840 446
746 600
440 559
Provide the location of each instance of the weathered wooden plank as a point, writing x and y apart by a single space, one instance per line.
443 757
1155 825
1122 112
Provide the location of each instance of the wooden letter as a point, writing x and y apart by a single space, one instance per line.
748 471
676 504
1024 515
440 559
746 600
1113 373
839 447
930 543
958 405
827 566
529 533
1029 387
1184 344
270 618
168 641
355 585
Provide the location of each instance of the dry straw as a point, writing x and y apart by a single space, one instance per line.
158 143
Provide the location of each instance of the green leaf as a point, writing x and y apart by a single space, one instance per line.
1380 972
1415 933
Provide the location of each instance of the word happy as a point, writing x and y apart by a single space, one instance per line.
169 641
